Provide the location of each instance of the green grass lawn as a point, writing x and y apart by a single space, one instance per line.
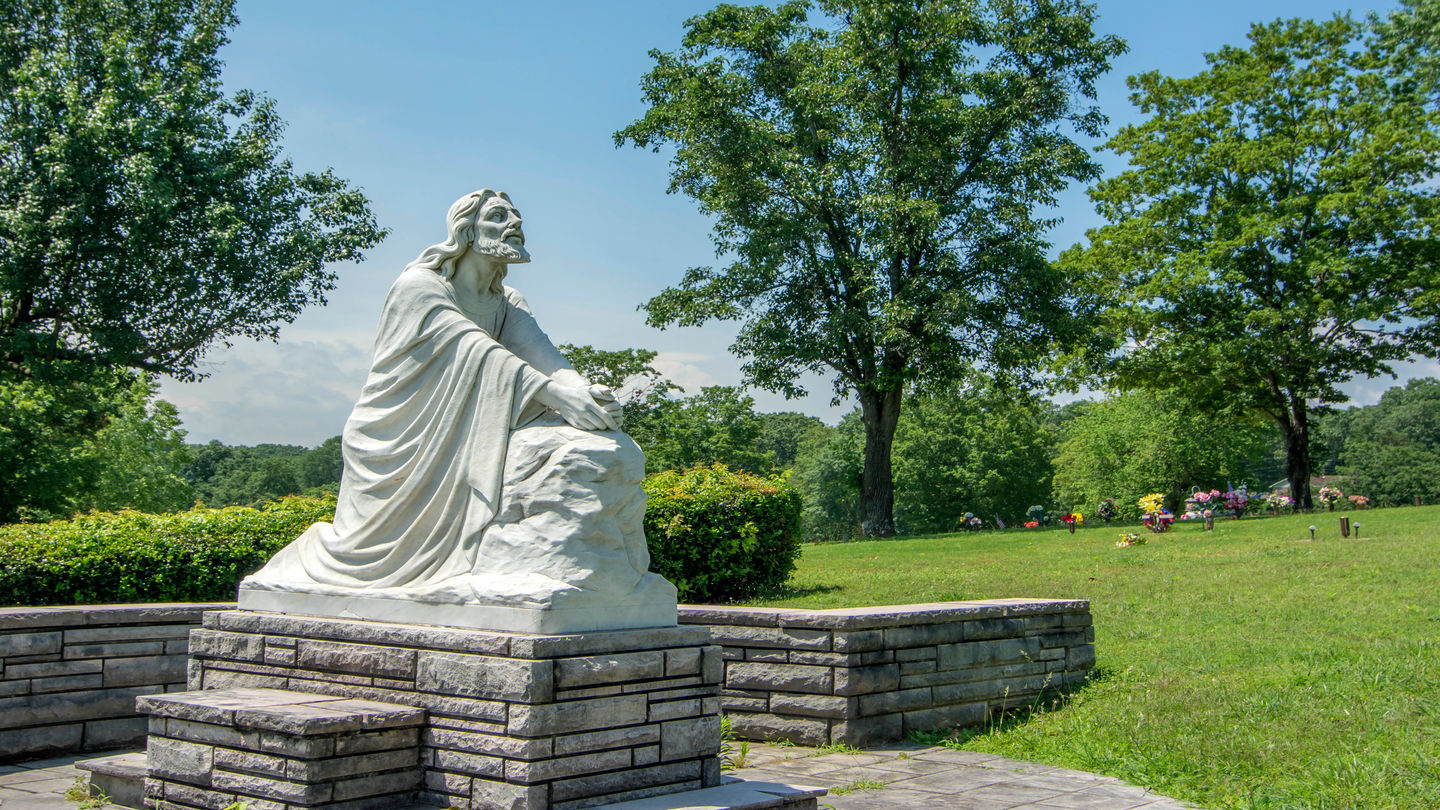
1242 668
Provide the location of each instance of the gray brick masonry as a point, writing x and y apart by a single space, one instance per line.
69 676
280 750
510 720
869 675
550 708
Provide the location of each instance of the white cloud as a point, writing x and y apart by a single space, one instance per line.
690 370
298 391
1367 391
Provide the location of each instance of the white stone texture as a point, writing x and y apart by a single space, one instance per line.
465 501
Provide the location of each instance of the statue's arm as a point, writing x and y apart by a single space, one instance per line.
586 406
523 336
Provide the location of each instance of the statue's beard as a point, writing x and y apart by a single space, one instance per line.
504 251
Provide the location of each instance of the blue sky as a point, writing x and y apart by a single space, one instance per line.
421 102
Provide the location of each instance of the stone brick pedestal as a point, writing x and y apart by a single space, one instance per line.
512 720
276 750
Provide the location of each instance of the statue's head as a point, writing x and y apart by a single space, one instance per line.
484 221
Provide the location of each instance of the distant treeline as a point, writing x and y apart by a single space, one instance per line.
981 449
226 475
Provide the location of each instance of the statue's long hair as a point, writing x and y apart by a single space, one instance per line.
460 225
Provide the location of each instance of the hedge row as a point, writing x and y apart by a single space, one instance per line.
119 557
716 534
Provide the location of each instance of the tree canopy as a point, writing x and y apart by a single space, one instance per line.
1133 444
874 177
1392 450
145 215
981 449
716 425
626 371
1275 234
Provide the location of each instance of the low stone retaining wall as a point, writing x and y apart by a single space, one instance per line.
69 676
869 675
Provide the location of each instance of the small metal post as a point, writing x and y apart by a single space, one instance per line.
1312 532
1357 530
1344 526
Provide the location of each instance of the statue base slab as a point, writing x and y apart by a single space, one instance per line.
656 611
513 720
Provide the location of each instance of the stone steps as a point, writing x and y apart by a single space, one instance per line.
121 778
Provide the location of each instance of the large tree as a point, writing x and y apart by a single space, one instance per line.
1275 234
874 175
145 215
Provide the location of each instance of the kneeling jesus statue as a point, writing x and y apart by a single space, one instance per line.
487 483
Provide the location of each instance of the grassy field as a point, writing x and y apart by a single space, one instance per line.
1247 667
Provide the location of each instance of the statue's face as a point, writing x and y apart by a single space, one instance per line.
498 232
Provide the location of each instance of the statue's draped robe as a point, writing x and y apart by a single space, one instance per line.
425 459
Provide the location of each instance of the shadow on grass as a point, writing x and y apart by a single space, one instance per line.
788 591
1049 700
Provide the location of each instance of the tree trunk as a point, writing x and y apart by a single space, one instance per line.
880 412
1297 453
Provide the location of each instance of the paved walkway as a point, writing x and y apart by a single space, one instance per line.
39 785
905 776
898 776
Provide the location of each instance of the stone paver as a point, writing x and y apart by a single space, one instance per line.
913 777
920 777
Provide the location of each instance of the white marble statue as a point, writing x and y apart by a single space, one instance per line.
487 484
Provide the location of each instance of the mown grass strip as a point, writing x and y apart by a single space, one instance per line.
1242 668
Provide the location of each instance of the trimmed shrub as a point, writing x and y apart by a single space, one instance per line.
716 534
721 535
116 557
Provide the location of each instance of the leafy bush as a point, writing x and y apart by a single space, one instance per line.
721 535
112 557
715 533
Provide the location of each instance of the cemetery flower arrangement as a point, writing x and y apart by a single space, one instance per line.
1128 540
1330 496
1107 511
1200 504
1237 500
1072 518
1279 500
1154 513
1158 521
1031 524
1360 501
1036 514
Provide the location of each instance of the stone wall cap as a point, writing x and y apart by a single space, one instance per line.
861 618
296 713
129 765
40 618
460 639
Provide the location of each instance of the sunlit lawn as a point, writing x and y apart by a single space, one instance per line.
1246 667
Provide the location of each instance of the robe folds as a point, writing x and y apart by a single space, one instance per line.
446 437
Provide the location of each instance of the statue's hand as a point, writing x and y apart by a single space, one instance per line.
607 399
579 407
